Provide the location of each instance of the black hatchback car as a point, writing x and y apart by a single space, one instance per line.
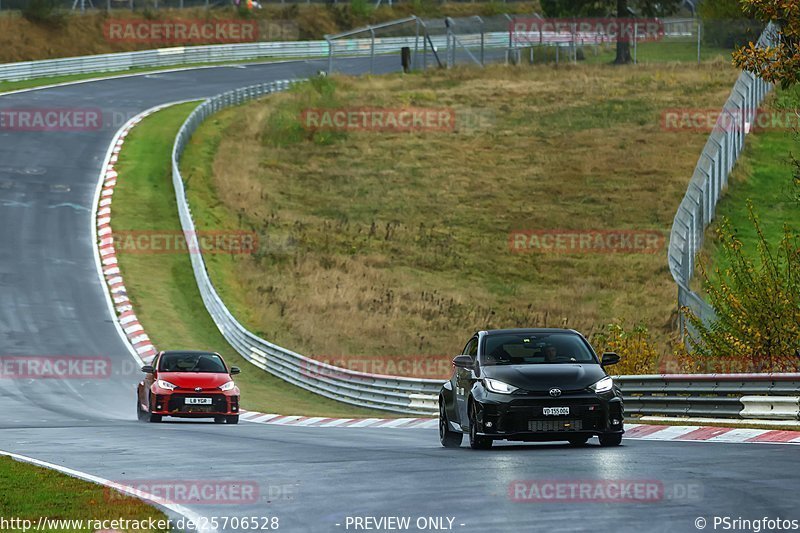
530 385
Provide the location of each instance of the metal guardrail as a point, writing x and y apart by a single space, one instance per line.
390 393
696 210
701 395
192 55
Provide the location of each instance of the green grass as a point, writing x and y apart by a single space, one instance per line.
162 287
30 492
762 175
661 52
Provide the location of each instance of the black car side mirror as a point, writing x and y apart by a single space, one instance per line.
148 369
463 361
235 370
609 358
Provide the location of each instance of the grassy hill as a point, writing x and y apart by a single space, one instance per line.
380 244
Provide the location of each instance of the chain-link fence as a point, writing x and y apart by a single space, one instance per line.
446 42
443 42
697 209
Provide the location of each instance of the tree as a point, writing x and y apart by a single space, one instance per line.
779 63
604 8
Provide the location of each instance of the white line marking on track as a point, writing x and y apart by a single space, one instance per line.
150 498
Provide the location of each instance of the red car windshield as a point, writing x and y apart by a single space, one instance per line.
191 362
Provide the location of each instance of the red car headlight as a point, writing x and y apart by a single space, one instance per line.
166 385
227 386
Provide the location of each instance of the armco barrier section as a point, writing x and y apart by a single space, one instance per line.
771 407
696 210
192 55
701 395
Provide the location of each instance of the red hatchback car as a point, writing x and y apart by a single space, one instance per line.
188 384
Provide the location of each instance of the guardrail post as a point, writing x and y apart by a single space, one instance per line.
330 54
372 51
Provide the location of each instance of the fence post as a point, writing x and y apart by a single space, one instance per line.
699 31
635 43
415 64
372 51
483 41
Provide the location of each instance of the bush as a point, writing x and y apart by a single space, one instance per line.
44 12
360 9
757 302
725 24
285 125
635 348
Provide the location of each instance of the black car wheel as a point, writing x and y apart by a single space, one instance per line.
232 419
154 418
477 442
578 441
448 437
610 440
140 413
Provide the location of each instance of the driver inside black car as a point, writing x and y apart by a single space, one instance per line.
550 354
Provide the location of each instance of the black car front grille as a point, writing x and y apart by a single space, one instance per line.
177 403
572 424
528 416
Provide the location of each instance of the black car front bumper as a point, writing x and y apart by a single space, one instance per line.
521 417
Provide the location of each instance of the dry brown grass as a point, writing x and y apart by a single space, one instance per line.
77 35
379 244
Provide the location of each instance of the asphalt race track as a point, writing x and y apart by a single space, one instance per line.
52 302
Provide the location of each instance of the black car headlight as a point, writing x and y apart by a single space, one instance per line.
604 385
500 387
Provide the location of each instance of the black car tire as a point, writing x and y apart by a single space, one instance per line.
448 437
476 442
578 441
140 413
219 419
154 418
610 440
232 419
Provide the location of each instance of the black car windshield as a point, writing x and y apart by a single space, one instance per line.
191 362
539 348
